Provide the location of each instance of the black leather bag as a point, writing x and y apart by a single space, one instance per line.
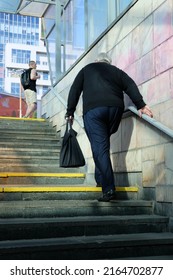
71 154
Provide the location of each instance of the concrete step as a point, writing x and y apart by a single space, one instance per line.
160 257
31 167
41 178
29 228
109 247
26 144
21 143
11 152
25 152
27 137
27 131
66 208
22 123
30 144
19 120
20 126
28 159
62 192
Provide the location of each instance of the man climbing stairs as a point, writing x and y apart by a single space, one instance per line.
47 212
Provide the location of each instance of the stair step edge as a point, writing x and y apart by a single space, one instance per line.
60 188
118 240
87 219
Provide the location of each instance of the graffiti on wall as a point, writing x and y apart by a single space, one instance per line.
10 106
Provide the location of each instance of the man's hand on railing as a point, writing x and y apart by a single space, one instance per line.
146 110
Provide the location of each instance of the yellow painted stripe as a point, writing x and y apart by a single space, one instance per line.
63 189
127 189
4 175
60 175
51 189
23 119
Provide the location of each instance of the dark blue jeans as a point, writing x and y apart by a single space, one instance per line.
100 123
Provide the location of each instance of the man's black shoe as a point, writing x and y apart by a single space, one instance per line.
98 185
108 196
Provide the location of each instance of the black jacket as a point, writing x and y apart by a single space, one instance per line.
102 85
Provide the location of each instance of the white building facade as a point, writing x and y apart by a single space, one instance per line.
19 43
16 60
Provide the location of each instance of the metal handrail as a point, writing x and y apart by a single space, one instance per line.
153 122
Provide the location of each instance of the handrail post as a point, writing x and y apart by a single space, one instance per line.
20 103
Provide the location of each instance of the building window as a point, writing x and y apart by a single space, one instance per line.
95 13
15 88
123 5
24 19
82 23
21 56
45 75
45 89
